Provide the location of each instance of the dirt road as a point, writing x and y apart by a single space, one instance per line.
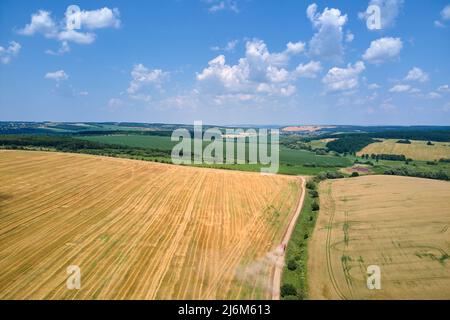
279 265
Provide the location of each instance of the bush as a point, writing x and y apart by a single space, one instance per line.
354 174
292 265
311 185
334 175
288 290
321 152
406 141
313 194
315 206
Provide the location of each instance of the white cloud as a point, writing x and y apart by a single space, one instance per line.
373 86
295 47
229 47
59 75
43 23
100 18
445 13
145 77
114 104
6 54
383 49
389 9
259 71
434 95
444 88
64 48
400 88
231 77
77 37
416 74
349 37
221 5
439 24
344 79
309 70
327 41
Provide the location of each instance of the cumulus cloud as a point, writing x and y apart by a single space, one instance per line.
383 49
389 9
308 70
143 77
43 23
327 41
100 18
400 88
416 74
77 37
373 86
6 54
221 5
343 79
59 75
260 71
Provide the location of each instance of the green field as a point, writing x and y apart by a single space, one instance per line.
291 161
138 141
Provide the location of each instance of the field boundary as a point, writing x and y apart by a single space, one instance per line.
279 265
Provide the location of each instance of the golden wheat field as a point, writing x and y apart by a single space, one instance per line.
417 150
137 230
400 224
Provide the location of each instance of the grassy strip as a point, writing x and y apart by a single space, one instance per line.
294 283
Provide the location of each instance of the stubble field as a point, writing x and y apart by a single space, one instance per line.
417 150
397 223
137 230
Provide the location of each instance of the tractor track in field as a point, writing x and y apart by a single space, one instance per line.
328 250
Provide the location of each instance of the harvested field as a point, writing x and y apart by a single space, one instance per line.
417 150
137 230
398 223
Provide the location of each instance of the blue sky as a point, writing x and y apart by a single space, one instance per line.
226 62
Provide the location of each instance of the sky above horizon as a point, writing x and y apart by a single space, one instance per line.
226 62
